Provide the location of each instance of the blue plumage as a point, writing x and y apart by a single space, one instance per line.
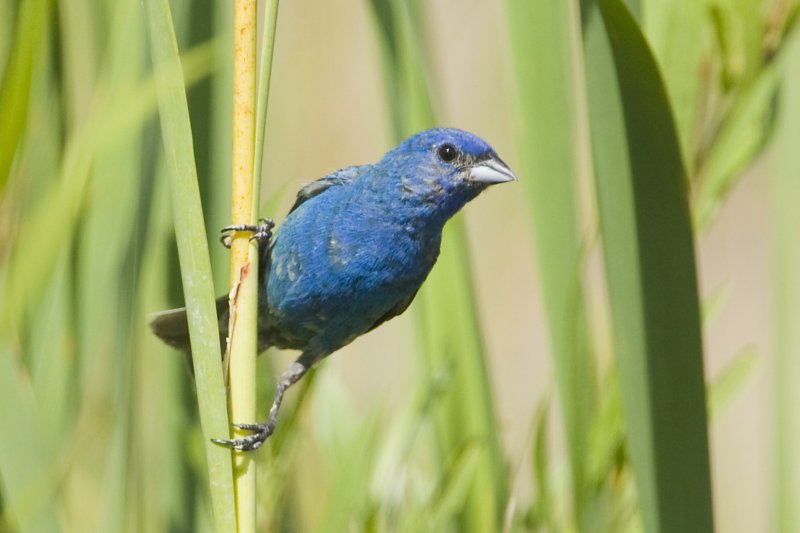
358 244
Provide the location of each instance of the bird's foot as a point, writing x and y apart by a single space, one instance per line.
250 442
261 432
262 232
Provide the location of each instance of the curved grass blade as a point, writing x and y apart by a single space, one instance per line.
650 268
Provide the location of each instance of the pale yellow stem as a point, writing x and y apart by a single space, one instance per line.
244 258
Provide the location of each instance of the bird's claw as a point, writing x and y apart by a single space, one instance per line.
250 442
262 232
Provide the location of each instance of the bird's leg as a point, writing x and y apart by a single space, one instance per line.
262 231
289 377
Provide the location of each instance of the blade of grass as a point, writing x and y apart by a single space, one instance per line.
351 447
210 113
750 122
219 190
544 38
193 255
158 380
50 358
270 20
106 266
453 489
785 220
635 7
728 383
79 29
7 35
543 511
16 84
742 135
264 82
676 31
21 452
650 268
453 345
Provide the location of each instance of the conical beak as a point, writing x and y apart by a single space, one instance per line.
491 171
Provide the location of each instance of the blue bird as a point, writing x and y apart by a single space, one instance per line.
353 251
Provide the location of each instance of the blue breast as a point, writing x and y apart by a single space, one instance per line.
344 259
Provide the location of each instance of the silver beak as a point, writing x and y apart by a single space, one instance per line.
490 172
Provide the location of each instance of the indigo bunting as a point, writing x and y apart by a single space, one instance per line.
353 251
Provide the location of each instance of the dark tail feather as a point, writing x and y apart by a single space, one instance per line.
172 326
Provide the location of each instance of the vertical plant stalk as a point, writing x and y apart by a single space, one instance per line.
785 190
193 255
264 79
545 39
244 259
650 267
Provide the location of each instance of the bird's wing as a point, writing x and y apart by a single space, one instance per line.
340 177
398 309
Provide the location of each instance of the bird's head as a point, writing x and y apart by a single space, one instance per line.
446 167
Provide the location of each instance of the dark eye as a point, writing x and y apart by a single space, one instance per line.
447 152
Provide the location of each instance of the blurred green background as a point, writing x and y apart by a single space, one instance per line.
495 403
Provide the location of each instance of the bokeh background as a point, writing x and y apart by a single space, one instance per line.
99 421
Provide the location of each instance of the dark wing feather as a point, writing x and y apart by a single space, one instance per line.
397 310
340 177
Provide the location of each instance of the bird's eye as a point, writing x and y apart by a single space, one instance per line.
447 152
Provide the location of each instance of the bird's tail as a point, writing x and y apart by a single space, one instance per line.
172 326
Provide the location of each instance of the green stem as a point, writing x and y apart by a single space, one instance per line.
193 255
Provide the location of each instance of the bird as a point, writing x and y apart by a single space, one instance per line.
352 252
